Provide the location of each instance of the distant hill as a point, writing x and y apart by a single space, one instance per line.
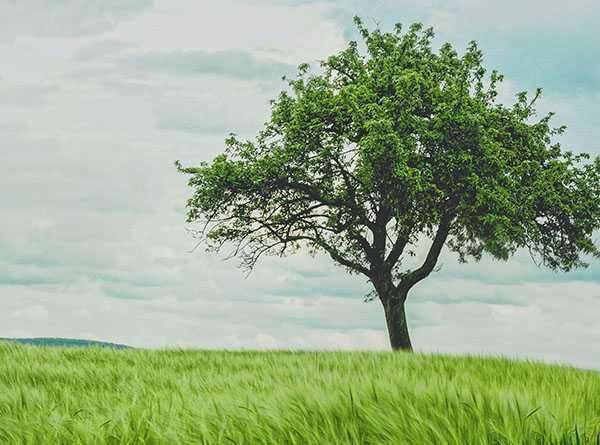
64 342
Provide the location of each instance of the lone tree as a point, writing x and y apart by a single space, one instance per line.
381 150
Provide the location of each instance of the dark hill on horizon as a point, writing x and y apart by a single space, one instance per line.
64 342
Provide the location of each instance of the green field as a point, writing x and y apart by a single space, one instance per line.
96 396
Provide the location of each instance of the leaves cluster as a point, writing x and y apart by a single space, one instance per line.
378 150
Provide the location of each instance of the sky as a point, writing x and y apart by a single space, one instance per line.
98 98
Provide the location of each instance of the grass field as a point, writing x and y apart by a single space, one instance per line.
97 396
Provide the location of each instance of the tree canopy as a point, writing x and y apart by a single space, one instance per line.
374 152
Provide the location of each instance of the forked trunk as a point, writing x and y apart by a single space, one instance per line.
395 317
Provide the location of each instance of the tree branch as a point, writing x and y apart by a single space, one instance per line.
434 252
396 252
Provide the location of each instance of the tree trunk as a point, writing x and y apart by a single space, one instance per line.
395 317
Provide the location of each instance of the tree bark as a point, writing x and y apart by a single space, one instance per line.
395 317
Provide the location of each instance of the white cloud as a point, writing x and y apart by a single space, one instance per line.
288 34
70 18
554 322
514 16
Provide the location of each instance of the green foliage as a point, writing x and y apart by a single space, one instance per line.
103 396
375 151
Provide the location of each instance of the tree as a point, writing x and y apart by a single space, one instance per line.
375 152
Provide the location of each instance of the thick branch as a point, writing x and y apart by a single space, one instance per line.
316 195
396 252
380 232
434 252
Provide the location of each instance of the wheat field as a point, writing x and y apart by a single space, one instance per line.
103 396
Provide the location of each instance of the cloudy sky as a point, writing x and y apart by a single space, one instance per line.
98 98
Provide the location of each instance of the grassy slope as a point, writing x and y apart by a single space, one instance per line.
56 395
